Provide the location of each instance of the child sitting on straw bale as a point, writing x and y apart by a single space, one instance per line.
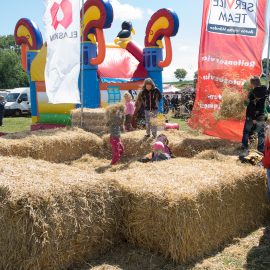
167 151
159 153
115 121
129 111
266 159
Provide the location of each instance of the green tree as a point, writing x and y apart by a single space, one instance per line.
180 74
8 42
11 73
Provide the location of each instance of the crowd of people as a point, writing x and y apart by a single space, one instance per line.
173 103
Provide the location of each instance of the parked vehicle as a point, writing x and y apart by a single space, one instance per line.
18 102
4 93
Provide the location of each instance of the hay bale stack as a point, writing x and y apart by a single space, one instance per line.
93 120
232 105
212 155
190 147
53 216
56 146
186 208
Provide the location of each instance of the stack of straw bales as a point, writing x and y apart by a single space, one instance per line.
232 105
53 216
64 145
93 120
55 146
186 208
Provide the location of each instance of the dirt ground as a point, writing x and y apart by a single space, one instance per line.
251 252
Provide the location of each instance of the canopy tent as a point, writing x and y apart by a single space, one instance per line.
170 89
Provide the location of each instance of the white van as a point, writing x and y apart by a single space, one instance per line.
18 102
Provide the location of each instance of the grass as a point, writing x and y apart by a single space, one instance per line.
16 124
182 84
20 124
183 125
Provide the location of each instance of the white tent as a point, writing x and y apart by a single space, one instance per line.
170 89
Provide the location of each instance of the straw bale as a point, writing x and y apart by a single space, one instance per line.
181 144
53 216
55 146
190 147
232 105
105 267
212 154
186 208
93 120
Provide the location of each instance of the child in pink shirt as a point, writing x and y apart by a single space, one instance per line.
129 111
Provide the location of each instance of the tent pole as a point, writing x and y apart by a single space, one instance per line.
82 64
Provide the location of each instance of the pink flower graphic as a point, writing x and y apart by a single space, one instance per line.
66 8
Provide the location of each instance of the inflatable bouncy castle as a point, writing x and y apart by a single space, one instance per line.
109 69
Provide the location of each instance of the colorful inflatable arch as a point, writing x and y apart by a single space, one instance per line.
109 70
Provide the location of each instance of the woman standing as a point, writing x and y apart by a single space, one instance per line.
150 98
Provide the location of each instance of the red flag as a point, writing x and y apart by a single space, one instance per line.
232 40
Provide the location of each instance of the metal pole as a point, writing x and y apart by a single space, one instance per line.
82 64
268 55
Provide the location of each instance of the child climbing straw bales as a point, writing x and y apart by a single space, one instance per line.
115 121
129 111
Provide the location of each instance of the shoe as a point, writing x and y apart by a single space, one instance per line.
244 152
242 148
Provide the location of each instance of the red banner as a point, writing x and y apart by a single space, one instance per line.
232 40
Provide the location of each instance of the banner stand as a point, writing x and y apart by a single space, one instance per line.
82 65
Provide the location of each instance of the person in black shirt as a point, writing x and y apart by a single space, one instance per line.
2 109
149 98
255 113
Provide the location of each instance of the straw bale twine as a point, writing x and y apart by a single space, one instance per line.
53 216
186 208
55 146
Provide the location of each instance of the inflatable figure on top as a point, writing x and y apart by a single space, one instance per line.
109 69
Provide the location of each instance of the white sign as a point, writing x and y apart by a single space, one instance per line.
233 17
62 19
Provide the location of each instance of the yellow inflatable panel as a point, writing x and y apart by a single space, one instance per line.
161 23
92 14
34 119
38 66
24 32
56 109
